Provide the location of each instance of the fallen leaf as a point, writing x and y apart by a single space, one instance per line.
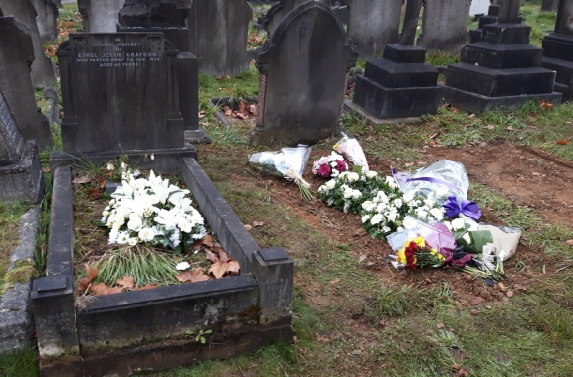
569 242
192 276
46 169
509 128
545 105
248 227
95 194
233 267
101 182
258 223
101 289
211 256
335 281
218 269
562 142
92 272
207 240
219 77
242 107
471 116
227 110
201 115
253 109
223 257
82 179
462 373
126 282
83 285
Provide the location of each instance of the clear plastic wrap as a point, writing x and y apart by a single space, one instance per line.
350 148
283 162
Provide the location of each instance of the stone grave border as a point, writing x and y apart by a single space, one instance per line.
146 330
373 120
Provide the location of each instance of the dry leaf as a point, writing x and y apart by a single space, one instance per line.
219 77
211 256
218 269
509 128
82 179
233 267
101 182
335 281
192 276
92 272
227 110
201 115
562 142
223 257
207 240
545 105
489 127
100 289
258 223
242 107
569 242
95 194
253 109
126 282
46 169
248 227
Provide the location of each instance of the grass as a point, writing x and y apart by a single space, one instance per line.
9 235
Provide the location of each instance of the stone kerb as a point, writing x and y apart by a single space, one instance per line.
123 333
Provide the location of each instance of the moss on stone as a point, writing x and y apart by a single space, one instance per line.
24 270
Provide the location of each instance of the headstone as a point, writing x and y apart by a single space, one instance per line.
303 78
100 16
444 27
373 24
278 12
16 54
479 7
43 74
411 18
502 70
549 5
47 19
20 170
222 36
398 85
558 50
120 94
170 18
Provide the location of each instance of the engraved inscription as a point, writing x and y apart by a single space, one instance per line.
117 54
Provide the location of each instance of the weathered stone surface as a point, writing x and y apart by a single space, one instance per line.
47 19
411 18
154 13
276 14
43 74
505 33
442 26
22 179
11 141
120 93
223 29
373 24
303 77
502 55
549 5
16 54
509 12
100 16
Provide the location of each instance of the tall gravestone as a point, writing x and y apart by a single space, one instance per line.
276 14
16 56
47 19
43 74
99 16
558 50
222 35
120 96
303 78
445 25
501 71
410 25
373 24
171 18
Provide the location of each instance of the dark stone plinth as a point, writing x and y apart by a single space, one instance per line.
404 53
486 20
475 35
146 330
477 103
563 69
502 56
23 179
493 10
500 82
384 102
400 75
506 33
154 13
559 46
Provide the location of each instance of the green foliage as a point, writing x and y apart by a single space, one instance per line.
199 336
22 363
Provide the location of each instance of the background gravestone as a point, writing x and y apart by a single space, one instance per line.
303 78
222 34
120 94
444 25
558 50
278 12
373 24
47 19
479 7
16 50
549 5
100 16
43 74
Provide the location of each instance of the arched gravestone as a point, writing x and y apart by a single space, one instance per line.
278 12
373 24
303 78
445 25
42 69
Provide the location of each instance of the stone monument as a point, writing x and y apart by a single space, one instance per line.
501 71
444 25
558 50
489 18
47 19
100 16
303 77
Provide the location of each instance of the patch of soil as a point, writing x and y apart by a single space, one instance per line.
525 176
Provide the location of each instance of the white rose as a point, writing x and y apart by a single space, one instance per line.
132 241
458 224
330 184
368 206
365 218
398 202
409 223
437 213
353 176
356 194
134 222
371 174
376 219
146 234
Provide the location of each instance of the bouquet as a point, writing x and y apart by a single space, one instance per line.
350 148
329 167
288 163
152 211
416 253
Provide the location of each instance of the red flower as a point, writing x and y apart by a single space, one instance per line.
410 253
324 171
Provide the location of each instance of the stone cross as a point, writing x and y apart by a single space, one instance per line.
509 12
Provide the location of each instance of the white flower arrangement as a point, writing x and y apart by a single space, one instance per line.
152 211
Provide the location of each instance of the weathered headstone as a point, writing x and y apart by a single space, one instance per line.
444 25
47 19
479 7
303 77
170 18
20 170
222 35
501 71
43 74
16 54
373 24
398 85
276 14
120 94
558 50
100 16
411 17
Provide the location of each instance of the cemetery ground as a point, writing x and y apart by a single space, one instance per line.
353 313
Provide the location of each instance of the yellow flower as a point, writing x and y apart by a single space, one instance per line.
420 241
401 256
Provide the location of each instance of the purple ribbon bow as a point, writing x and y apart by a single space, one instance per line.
468 208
